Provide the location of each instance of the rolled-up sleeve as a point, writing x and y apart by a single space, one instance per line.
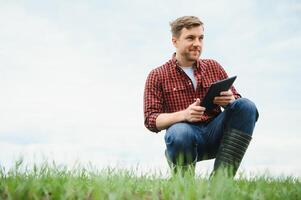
153 101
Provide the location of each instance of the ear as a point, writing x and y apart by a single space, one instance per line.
174 41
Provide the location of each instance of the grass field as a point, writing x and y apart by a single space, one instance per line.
49 181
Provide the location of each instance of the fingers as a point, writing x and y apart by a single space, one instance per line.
197 102
198 108
226 93
195 118
196 112
222 103
223 98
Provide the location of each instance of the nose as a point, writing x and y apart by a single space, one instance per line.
197 43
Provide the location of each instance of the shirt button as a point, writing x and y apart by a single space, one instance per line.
189 83
174 89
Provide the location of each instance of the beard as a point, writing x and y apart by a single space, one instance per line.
191 56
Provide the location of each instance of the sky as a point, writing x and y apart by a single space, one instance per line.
72 77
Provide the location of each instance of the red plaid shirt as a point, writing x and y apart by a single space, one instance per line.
168 89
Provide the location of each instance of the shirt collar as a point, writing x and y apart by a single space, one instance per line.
175 62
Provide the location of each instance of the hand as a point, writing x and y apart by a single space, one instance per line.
194 112
224 99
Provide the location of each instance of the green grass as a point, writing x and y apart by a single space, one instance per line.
49 181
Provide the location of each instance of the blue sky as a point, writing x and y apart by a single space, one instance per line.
72 76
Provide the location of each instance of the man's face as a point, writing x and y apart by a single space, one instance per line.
190 43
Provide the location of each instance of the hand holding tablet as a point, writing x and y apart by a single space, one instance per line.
215 90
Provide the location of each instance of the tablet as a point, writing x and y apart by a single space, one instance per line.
215 90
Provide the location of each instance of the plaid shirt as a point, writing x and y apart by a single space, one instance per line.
168 89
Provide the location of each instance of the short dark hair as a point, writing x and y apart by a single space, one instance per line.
184 22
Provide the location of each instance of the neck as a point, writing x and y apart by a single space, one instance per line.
183 62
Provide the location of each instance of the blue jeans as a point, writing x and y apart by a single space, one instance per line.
199 141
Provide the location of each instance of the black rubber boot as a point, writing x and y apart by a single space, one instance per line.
230 153
181 169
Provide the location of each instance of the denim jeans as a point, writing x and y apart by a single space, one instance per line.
200 141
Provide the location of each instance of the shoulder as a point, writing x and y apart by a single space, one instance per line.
210 63
213 69
161 71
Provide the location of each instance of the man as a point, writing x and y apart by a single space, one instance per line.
172 98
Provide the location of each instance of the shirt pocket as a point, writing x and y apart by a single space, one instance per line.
174 88
175 96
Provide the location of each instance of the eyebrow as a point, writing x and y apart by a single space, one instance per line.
194 36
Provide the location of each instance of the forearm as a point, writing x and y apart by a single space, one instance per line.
165 120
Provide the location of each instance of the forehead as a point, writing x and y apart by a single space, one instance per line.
195 31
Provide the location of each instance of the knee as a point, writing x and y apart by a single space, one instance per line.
245 106
180 134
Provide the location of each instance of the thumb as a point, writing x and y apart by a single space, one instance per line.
197 102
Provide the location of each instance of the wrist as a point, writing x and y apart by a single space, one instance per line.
182 115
